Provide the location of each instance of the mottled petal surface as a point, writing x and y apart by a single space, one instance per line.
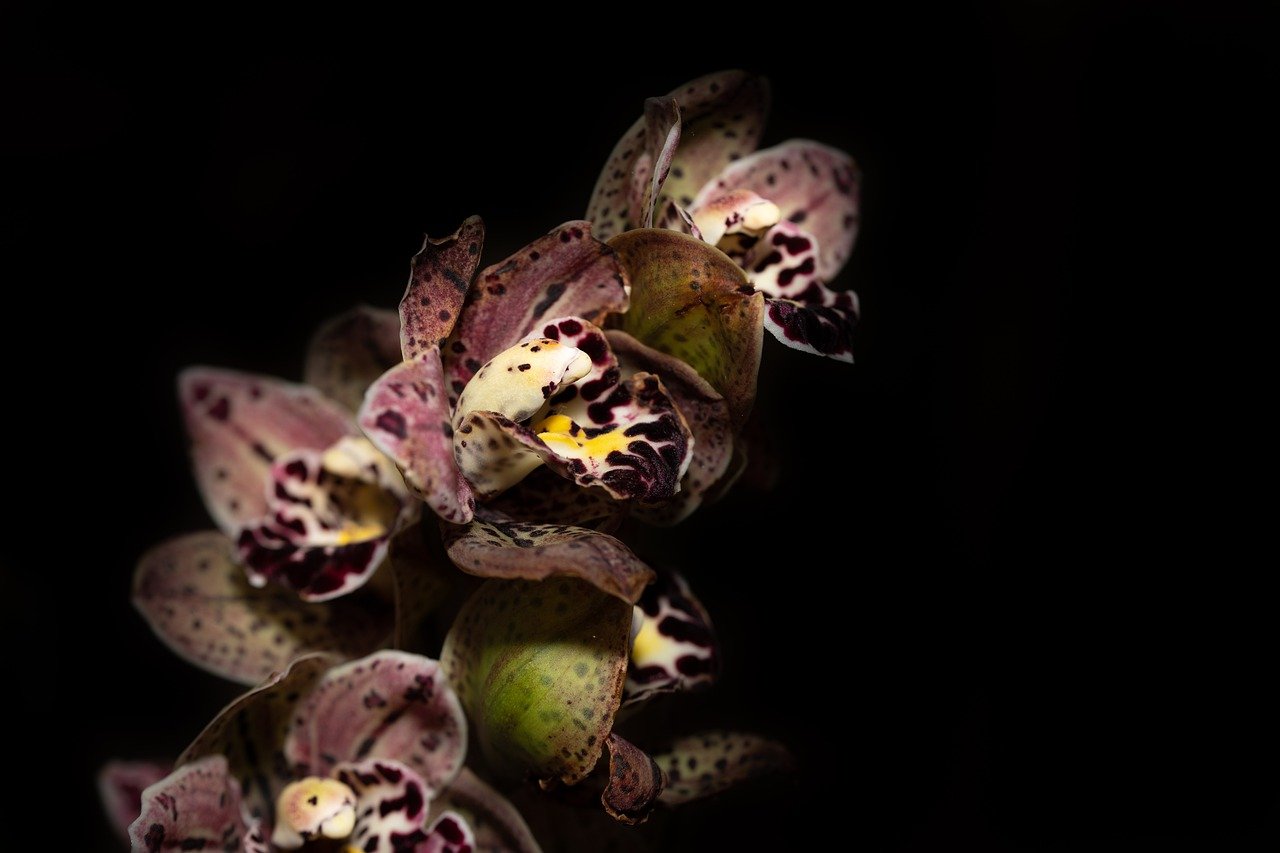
388 705
813 185
539 666
566 272
691 301
704 764
407 415
250 733
814 329
438 283
529 551
391 811
546 497
196 598
675 647
120 787
662 137
783 264
197 807
705 411
350 351
498 825
239 423
635 781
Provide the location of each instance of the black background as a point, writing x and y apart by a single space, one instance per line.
1011 595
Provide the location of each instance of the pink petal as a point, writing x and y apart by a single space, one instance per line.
350 351
120 787
438 284
662 136
196 807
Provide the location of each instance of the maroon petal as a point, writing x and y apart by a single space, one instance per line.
196 598
546 497
388 705
391 811
120 787
350 351
813 185
566 272
675 647
250 732
635 781
704 764
527 551
817 329
407 415
239 423
498 826
196 807
438 284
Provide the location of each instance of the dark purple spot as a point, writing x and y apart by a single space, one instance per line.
392 422
220 410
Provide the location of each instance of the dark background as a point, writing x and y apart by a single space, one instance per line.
1011 595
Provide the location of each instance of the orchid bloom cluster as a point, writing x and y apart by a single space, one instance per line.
414 569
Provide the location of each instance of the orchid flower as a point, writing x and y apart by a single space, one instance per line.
786 215
510 373
367 754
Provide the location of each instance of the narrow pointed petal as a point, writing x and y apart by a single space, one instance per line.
662 136
196 807
388 705
527 551
705 411
438 284
704 764
539 666
691 301
194 595
498 826
675 648
568 271
406 414
120 787
635 781
239 423
350 351
391 811
249 733
813 185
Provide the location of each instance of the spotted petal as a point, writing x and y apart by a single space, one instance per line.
498 826
120 787
568 271
406 414
704 410
196 807
388 705
539 666
350 351
438 284
812 184
196 598
704 764
528 551
675 647
391 811
635 781
239 424
662 136
691 301
816 329
250 733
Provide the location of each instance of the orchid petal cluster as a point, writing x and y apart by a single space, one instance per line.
539 407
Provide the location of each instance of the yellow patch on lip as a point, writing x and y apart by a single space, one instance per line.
647 642
567 439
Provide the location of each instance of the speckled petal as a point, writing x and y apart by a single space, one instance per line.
388 705
494 452
391 811
816 329
814 185
196 807
692 301
498 826
548 498
675 218
195 596
350 351
438 284
539 666
250 733
783 264
239 423
662 136
704 764
406 414
675 647
528 551
120 787
566 272
517 381
704 410
635 781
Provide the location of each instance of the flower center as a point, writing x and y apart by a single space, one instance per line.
356 505
313 808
